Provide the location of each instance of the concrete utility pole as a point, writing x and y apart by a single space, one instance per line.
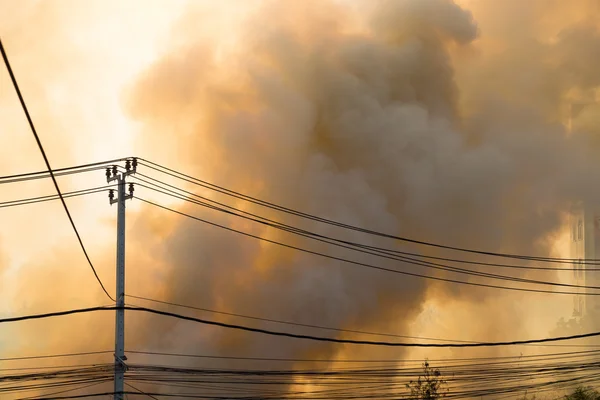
113 174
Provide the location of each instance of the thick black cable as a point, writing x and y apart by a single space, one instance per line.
295 323
41 148
361 342
345 260
324 327
293 335
223 190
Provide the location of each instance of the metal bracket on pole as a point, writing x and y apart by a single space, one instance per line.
113 174
122 361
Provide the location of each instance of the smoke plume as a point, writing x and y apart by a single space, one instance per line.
360 115
419 118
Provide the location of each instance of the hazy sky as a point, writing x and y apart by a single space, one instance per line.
393 115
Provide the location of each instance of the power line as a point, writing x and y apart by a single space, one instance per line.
216 205
58 172
465 380
294 323
87 353
357 263
182 395
406 260
41 199
39 143
370 250
352 383
395 360
359 342
49 368
55 378
293 335
140 391
254 200
80 396
86 386
329 328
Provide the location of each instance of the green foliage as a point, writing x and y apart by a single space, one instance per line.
583 393
430 385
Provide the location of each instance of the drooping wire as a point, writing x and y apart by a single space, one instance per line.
87 353
291 334
220 189
76 169
361 248
41 148
484 360
295 323
169 189
66 195
362 264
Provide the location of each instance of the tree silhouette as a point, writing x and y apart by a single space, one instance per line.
430 385
583 393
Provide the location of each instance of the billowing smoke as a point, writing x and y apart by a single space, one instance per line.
352 122
419 118
358 115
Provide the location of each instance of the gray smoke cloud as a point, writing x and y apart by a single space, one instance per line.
399 116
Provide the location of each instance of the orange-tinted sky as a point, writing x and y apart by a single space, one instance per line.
264 97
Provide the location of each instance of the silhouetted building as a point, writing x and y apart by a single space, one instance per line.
585 245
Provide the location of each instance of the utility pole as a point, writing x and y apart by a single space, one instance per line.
113 174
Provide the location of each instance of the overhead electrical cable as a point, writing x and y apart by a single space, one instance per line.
39 143
52 379
188 178
290 334
173 190
49 368
465 381
359 248
487 360
362 264
65 171
80 387
294 323
87 353
140 391
66 195
331 328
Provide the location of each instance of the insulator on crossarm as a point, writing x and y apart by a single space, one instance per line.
134 163
114 170
131 189
127 165
107 173
111 194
